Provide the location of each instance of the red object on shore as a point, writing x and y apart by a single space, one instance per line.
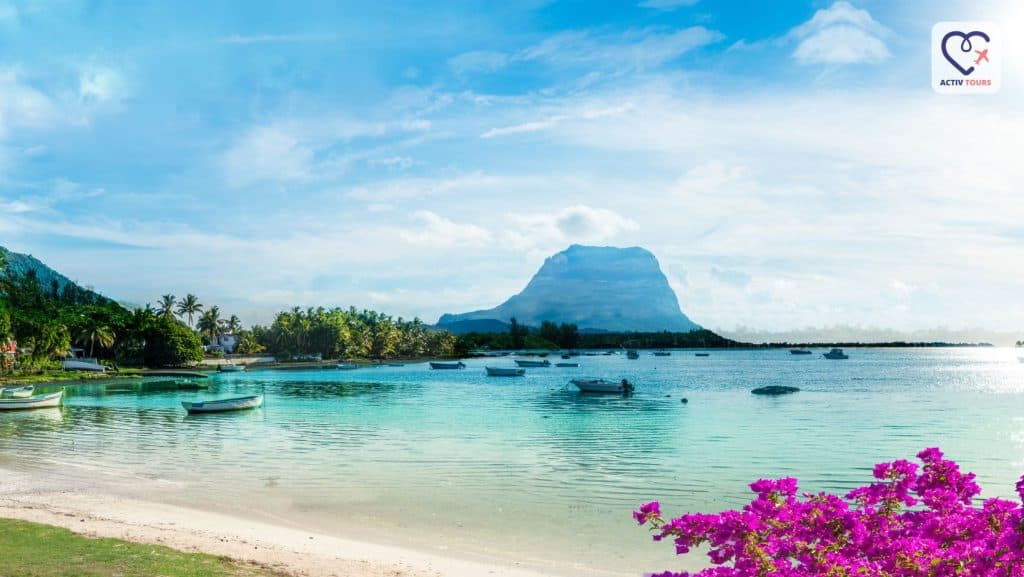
9 346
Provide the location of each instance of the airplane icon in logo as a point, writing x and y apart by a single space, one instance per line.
982 55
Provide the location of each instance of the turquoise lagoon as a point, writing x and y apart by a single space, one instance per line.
526 468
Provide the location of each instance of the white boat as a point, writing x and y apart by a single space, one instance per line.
836 354
603 386
504 372
544 363
36 402
17 392
82 364
347 366
230 368
221 405
567 365
448 366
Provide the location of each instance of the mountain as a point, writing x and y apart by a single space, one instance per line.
595 287
19 265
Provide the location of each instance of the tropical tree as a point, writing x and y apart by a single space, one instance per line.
166 305
233 325
209 323
96 334
189 306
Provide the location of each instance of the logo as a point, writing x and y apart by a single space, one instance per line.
966 58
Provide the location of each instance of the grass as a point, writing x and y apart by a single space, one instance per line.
34 550
55 375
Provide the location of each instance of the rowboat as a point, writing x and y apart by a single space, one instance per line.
504 372
603 386
566 365
221 405
448 366
544 363
799 352
230 368
34 402
82 364
16 392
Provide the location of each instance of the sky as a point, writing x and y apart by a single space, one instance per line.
787 162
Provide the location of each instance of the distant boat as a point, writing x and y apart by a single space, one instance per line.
662 353
222 405
82 364
566 356
347 366
567 365
448 366
799 352
504 372
17 392
36 402
394 364
702 354
230 368
632 354
836 354
544 363
603 386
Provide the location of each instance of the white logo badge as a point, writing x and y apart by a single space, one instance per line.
966 58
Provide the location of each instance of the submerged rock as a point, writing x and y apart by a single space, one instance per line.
774 390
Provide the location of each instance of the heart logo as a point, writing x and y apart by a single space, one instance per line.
965 47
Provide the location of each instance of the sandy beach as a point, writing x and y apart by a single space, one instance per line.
37 498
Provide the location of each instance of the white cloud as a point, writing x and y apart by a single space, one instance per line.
101 84
840 34
23 106
267 154
709 178
243 39
525 127
435 230
8 13
478 61
574 224
666 5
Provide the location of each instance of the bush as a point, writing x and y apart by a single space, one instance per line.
170 343
907 524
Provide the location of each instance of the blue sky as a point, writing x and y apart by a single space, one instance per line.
787 162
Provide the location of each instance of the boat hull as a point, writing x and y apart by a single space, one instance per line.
71 365
447 366
533 364
231 368
16 392
567 365
799 352
223 405
36 402
598 386
504 372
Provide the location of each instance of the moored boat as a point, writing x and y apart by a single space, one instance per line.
603 386
32 402
230 368
222 405
504 372
799 352
662 353
17 392
544 363
702 354
347 366
567 365
836 354
82 364
632 354
448 366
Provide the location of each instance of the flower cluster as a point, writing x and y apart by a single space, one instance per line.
911 522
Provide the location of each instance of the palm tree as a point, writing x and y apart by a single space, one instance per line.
189 306
96 334
233 325
166 305
210 323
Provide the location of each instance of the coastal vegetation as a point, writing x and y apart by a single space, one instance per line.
912 521
568 336
46 551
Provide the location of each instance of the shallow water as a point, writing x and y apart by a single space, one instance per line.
524 467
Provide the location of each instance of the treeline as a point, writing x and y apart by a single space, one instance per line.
350 333
567 336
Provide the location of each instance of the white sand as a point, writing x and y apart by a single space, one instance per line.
32 497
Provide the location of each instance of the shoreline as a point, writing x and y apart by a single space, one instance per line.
291 550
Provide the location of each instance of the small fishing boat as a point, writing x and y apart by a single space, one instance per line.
32 402
702 354
799 352
632 354
544 363
347 366
448 366
230 368
836 354
394 364
222 405
567 365
17 392
566 356
603 386
82 364
504 372
662 353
